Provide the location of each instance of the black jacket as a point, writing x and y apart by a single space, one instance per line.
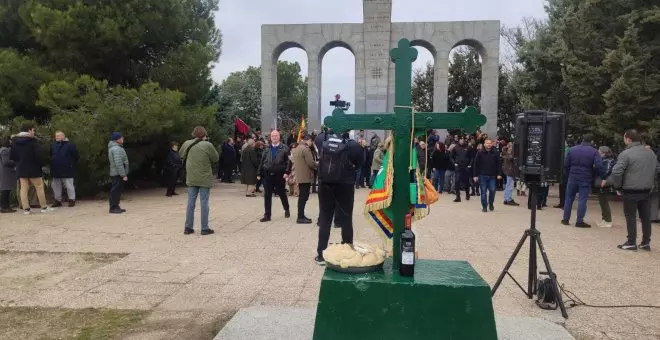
228 155
173 160
357 157
441 160
461 156
422 158
366 164
280 164
63 159
487 163
28 156
320 138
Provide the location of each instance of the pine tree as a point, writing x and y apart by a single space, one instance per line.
464 80
422 89
633 99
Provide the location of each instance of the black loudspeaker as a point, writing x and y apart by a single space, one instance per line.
539 146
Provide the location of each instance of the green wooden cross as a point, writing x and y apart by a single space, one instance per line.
401 122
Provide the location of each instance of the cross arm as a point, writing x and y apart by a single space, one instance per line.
467 120
340 121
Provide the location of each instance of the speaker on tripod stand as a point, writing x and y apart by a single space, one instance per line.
539 148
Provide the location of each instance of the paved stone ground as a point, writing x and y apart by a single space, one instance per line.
247 263
296 323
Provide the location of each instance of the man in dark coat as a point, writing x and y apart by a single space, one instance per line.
276 168
249 167
462 159
63 159
581 162
172 169
29 159
228 161
422 157
487 168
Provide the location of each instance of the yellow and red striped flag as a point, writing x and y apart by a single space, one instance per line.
302 129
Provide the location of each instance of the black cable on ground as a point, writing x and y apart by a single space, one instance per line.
574 301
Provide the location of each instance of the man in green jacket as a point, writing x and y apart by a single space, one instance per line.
118 171
199 157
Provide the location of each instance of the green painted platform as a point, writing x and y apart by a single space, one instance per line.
444 300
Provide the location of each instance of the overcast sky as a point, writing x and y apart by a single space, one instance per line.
240 22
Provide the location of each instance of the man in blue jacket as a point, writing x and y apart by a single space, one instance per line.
581 162
63 159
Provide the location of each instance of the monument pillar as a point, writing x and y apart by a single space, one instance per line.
376 31
489 93
313 91
360 85
441 85
268 91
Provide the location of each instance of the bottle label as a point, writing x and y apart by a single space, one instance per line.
408 258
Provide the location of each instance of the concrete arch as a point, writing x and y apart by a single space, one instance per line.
476 44
277 51
315 79
269 61
333 44
427 45
489 78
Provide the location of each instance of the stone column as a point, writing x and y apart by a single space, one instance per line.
440 81
313 91
360 87
376 32
441 84
489 92
268 89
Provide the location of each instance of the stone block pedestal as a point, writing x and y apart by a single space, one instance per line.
444 300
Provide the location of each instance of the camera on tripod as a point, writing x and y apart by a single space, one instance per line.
340 104
540 144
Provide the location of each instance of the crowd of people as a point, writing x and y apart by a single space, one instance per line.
472 164
22 163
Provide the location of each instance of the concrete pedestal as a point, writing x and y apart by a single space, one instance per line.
444 300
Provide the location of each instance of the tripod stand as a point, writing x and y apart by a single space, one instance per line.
534 239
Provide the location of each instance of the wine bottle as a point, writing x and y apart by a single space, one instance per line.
407 266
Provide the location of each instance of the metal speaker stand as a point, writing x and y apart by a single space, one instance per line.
534 239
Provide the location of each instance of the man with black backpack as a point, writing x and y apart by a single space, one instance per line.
339 161
318 142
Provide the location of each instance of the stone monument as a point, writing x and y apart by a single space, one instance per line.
370 43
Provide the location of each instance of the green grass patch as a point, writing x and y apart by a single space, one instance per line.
60 323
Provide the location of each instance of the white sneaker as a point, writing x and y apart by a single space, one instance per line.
604 224
26 212
47 209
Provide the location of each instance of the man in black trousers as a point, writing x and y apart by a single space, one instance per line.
338 165
304 165
325 134
634 176
462 159
276 167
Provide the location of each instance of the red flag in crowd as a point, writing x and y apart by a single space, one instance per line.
240 127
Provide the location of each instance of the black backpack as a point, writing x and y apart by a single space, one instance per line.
334 164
